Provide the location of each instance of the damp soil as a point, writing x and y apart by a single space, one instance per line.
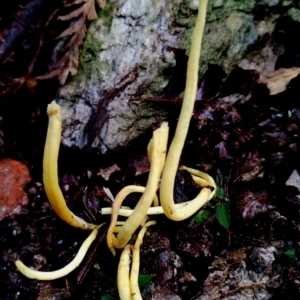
244 243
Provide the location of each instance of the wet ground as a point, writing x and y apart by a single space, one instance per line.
244 244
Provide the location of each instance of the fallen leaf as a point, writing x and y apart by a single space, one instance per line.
250 205
223 214
277 81
106 172
84 10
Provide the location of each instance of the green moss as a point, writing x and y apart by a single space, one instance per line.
90 49
90 66
156 86
106 14
230 30
223 11
217 39
148 111
294 13
240 5
183 15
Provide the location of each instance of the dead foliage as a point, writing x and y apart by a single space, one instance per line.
248 139
43 42
277 81
67 62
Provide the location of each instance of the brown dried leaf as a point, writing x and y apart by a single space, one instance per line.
106 172
250 205
77 26
140 163
101 3
241 276
69 60
277 81
87 10
68 64
231 258
252 168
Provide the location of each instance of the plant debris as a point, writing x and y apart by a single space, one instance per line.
243 244
43 42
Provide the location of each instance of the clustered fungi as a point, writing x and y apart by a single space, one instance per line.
162 167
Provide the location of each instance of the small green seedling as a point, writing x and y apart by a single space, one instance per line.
291 253
223 214
200 217
106 296
143 280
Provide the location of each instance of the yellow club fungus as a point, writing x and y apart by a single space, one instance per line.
173 157
123 282
201 178
159 165
135 266
127 279
156 152
52 275
115 211
50 176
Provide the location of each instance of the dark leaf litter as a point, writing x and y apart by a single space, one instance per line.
246 139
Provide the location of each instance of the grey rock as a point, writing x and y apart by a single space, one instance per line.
294 180
129 48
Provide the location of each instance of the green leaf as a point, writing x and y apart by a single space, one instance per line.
144 279
200 217
106 297
221 181
291 253
220 193
223 214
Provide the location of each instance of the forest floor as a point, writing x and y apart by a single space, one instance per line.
243 244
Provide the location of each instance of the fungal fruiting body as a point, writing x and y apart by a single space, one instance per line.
135 266
50 175
123 282
115 209
200 178
160 165
173 157
115 212
125 212
156 152
127 279
176 212
51 275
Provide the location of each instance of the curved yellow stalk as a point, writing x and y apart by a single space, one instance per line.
52 275
135 266
50 176
156 152
172 160
156 210
123 274
200 178
200 174
115 211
